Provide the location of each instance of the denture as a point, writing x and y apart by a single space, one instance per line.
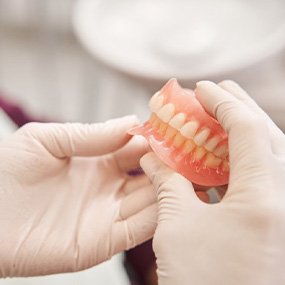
185 137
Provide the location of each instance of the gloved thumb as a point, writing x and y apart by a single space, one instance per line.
248 133
174 192
76 139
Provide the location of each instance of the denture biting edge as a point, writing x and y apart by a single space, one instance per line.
186 137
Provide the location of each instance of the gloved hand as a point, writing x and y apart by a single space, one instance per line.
241 239
66 200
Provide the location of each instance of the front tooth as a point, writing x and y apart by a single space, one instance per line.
212 161
222 151
188 146
166 112
212 143
156 102
177 121
178 140
202 136
199 153
189 129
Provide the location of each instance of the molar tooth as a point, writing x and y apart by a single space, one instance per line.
178 140
156 123
201 137
189 129
152 118
156 102
212 143
199 153
170 133
166 112
177 121
188 146
212 161
162 128
221 151
226 166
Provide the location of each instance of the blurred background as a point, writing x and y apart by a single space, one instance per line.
91 60
47 69
44 68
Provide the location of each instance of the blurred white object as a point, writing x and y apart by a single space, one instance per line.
187 39
34 14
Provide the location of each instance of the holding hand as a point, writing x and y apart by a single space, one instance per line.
67 202
241 239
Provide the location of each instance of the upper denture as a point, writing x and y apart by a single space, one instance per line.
172 122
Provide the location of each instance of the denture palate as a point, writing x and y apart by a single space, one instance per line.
189 136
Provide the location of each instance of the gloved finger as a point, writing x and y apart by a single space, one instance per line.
128 157
134 183
137 201
134 230
75 139
171 187
277 136
248 133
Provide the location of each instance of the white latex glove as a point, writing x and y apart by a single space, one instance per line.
66 201
241 239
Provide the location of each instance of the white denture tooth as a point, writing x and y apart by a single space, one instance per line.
199 153
201 137
170 133
166 112
156 102
188 146
212 161
162 128
211 144
178 121
226 166
178 140
189 129
222 151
